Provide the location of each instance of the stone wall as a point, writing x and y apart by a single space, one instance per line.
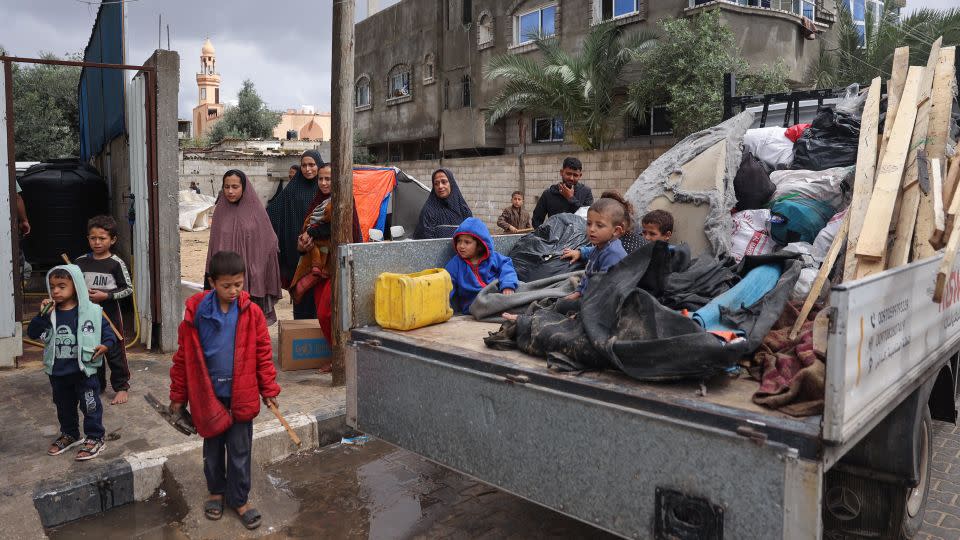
487 182
265 173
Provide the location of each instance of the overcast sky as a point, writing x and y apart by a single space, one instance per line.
283 46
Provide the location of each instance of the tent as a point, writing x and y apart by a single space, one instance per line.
387 197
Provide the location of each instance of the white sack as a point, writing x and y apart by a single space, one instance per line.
770 145
195 210
820 185
750 236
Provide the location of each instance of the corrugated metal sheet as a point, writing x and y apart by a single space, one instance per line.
140 189
101 91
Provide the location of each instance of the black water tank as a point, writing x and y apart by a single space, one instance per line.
60 197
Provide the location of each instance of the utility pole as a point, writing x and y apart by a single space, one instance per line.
341 146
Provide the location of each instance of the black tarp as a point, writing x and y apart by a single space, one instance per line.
537 255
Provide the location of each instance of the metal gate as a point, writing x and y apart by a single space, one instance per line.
140 190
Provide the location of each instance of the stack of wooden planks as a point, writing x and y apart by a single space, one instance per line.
905 202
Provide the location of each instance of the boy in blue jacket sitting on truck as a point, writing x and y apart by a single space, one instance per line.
476 264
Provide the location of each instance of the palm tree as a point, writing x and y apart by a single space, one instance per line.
579 87
847 61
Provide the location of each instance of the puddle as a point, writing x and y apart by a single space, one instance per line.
374 491
158 517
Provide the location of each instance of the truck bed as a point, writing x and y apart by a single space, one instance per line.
727 404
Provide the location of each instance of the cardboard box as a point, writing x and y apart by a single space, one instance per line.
302 345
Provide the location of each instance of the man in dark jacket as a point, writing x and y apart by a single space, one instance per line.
565 197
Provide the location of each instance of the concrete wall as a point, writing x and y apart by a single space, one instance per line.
171 309
265 173
487 182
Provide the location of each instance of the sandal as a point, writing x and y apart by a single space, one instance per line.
251 518
62 444
213 509
91 449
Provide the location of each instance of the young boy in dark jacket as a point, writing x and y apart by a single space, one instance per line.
223 364
108 282
476 264
75 337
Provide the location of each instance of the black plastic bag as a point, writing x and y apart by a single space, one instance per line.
752 184
831 141
537 255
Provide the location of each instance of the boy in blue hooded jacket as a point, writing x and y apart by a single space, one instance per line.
476 264
75 336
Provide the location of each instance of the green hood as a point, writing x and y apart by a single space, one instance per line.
89 320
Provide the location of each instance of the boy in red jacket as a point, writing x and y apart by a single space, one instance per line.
223 364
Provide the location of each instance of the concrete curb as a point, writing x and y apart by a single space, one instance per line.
136 477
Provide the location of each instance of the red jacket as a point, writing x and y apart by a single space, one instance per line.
253 371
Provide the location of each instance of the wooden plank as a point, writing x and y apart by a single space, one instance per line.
865 172
946 265
822 275
898 77
936 189
950 182
886 188
910 197
938 130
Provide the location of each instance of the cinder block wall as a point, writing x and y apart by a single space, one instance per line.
487 182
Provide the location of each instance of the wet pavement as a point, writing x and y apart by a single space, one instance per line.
371 491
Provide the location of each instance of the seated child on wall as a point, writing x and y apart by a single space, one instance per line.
476 264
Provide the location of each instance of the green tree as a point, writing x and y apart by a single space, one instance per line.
249 119
579 87
847 61
46 116
685 72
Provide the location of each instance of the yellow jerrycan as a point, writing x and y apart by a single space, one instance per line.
409 301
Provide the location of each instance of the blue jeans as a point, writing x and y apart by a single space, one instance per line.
71 392
226 462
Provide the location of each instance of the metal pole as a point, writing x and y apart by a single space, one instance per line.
341 97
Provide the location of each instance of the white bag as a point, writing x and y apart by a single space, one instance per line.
825 238
770 146
820 185
750 235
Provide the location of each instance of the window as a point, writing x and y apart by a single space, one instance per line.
203 93
807 8
656 121
485 29
864 12
363 92
399 82
611 9
428 68
446 94
465 90
466 13
216 95
548 129
539 22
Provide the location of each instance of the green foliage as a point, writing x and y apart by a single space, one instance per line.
579 87
685 72
249 119
46 116
361 154
845 62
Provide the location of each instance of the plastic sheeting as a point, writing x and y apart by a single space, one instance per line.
770 145
101 91
537 255
195 210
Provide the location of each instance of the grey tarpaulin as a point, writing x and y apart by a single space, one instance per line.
664 177
490 302
622 325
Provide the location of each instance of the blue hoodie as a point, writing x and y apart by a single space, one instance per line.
469 279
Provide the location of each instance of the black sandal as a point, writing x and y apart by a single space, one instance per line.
251 518
62 444
213 509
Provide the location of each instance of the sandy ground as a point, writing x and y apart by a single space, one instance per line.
193 259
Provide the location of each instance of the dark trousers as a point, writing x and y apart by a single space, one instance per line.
226 462
306 308
78 391
116 356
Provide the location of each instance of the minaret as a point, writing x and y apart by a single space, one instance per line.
208 109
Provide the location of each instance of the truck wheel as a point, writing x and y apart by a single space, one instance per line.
915 500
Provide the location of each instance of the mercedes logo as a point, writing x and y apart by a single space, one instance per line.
843 503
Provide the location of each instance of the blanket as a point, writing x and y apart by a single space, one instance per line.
791 374
490 303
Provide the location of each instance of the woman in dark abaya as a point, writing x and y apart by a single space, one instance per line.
287 212
444 210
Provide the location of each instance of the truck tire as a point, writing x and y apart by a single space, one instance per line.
913 502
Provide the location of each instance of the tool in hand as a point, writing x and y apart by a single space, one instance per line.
276 412
181 422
